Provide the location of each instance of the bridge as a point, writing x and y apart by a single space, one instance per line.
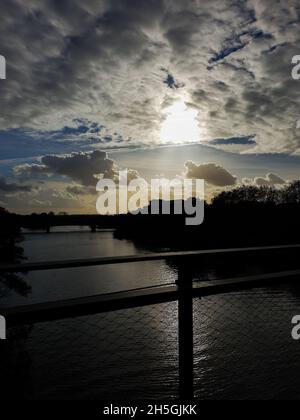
46 222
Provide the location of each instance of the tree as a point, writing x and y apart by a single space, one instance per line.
261 195
291 194
11 252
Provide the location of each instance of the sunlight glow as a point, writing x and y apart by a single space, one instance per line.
180 125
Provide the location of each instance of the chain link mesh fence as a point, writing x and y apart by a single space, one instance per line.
243 349
119 355
243 345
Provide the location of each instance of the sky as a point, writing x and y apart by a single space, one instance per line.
163 88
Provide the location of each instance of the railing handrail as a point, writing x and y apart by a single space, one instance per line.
91 262
110 302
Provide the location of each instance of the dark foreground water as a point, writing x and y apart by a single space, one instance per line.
242 346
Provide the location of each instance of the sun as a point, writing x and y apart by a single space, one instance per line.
180 125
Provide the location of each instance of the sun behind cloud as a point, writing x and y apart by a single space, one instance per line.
180 125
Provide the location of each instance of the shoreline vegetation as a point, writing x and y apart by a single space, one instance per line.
12 252
244 216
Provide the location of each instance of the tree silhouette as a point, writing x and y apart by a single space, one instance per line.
290 194
11 252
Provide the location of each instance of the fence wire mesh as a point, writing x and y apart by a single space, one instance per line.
243 345
119 355
243 349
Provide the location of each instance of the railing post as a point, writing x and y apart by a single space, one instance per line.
185 333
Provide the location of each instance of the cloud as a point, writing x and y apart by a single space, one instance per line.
80 167
102 61
76 190
233 141
100 75
31 170
234 144
52 196
213 174
271 180
6 187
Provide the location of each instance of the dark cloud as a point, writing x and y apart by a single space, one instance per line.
270 180
83 168
7 187
80 190
233 141
80 167
76 51
213 174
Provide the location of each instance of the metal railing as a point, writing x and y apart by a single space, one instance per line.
183 291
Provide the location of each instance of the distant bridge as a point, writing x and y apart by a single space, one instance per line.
47 221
